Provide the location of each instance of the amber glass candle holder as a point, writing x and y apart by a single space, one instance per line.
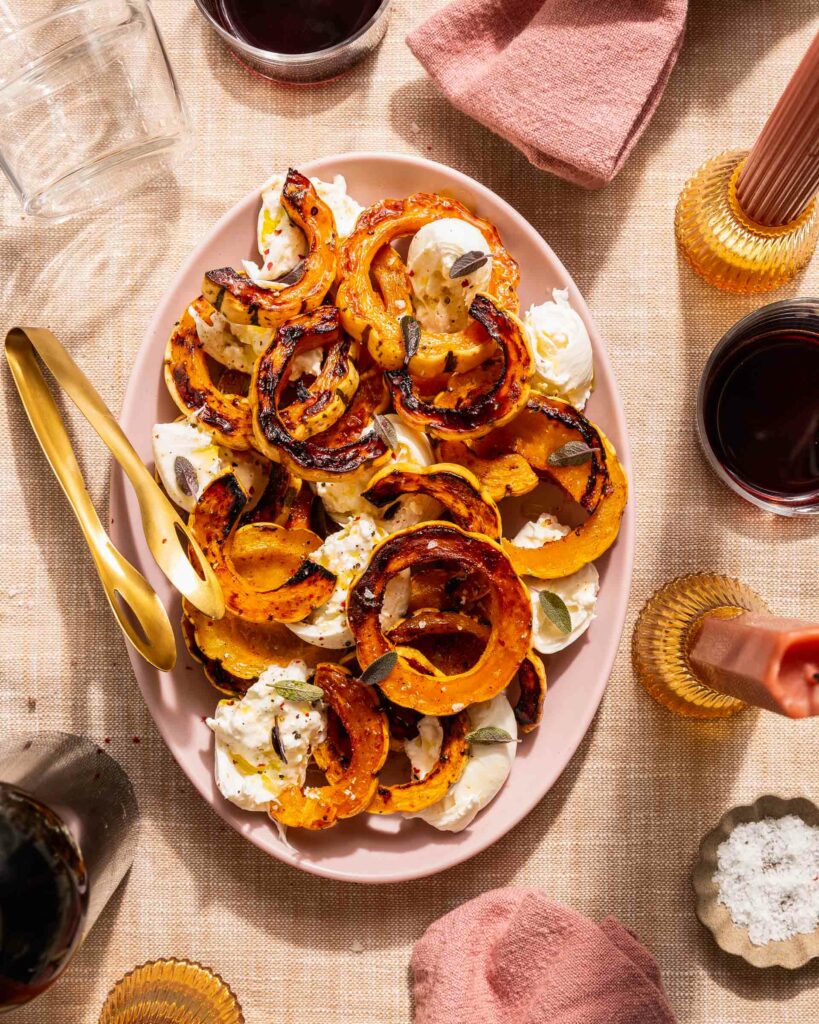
666 631
171 992
729 249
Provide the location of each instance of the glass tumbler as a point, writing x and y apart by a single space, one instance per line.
89 106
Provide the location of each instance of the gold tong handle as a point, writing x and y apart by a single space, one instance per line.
133 601
168 538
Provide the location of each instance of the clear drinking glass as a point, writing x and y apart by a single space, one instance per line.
68 833
301 68
89 106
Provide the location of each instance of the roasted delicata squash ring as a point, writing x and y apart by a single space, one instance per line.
544 426
376 321
586 543
187 375
452 486
243 302
365 725
414 681
349 443
213 523
409 797
505 476
445 588
491 406
532 682
326 400
451 640
234 652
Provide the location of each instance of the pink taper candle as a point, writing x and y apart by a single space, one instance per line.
763 660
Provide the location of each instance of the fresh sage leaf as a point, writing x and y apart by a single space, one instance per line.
295 689
186 478
276 742
554 608
489 734
386 431
469 262
378 670
411 333
573 453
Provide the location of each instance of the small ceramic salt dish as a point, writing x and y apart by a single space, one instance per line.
791 953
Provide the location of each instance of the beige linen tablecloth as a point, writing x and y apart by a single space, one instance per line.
619 832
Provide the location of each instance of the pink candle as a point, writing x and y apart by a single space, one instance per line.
763 660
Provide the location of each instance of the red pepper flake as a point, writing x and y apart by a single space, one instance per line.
204 718
136 739
164 540
270 266
107 739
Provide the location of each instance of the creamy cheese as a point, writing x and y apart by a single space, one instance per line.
281 242
441 302
564 364
579 593
208 460
236 346
543 530
343 498
346 553
248 770
485 773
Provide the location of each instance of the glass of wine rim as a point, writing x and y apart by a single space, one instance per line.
317 65
799 314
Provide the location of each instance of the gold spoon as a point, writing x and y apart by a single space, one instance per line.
166 534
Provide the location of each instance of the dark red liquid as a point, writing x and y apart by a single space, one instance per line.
761 412
295 26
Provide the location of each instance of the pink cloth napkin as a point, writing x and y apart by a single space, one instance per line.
512 956
572 84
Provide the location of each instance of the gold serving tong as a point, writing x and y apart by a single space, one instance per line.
137 608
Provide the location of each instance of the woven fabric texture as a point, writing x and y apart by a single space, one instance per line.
619 832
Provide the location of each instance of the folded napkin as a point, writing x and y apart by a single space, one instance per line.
571 84
512 956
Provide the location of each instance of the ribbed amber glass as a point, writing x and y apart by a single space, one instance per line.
666 630
728 249
171 992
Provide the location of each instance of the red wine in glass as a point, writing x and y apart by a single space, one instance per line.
306 26
758 407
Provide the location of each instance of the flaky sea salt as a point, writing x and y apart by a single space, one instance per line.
768 878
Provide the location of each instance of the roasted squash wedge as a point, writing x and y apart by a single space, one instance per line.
586 543
487 407
452 486
414 681
376 320
243 302
532 682
451 640
235 652
187 375
213 523
349 442
413 796
365 725
504 476
544 426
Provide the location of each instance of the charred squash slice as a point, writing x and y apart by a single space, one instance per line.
234 652
485 409
365 725
532 682
414 681
504 476
214 522
322 403
445 587
544 426
586 543
409 797
452 486
349 443
243 302
376 320
187 375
